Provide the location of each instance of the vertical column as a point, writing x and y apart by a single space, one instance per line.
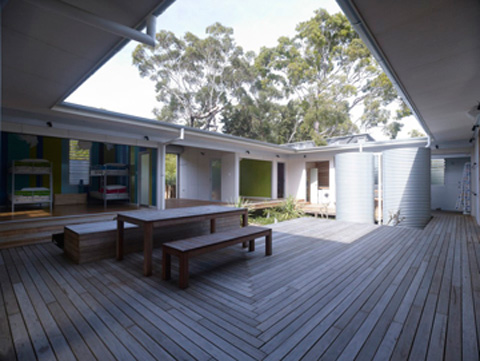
274 180
236 176
161 151
475 176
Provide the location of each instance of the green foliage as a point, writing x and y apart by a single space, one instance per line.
392 129
194 78
288 210
241 202
415 133
307 87
171 169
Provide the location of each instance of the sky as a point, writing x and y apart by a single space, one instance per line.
117 86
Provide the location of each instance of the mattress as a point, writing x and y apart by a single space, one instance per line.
113 189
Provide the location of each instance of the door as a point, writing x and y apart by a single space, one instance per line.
313 185
216 179
280 180
144 191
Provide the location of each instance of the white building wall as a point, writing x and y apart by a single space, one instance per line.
475 158
195 173
295 183
230 178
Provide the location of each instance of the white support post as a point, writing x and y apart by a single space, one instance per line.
161 152
274 194
236 177
380 190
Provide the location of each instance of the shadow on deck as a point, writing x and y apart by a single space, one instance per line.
331 290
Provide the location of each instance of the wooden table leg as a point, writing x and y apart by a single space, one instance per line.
251 245
245 219
147 248
183 270
268 244
244 224
120 228
166 265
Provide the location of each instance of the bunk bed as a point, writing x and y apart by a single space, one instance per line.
31 195
108 192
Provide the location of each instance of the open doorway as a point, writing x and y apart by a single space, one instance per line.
280 180
171 178
318 181
145 176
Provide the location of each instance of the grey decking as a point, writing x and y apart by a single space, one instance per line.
331 290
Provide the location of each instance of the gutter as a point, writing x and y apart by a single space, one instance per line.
414 142
83 111
353 15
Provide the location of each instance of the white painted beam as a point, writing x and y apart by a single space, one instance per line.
80 15
161 152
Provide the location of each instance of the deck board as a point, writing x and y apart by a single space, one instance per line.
332 290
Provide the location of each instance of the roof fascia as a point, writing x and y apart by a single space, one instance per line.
83 111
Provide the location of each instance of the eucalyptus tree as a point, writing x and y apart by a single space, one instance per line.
195 78
331 76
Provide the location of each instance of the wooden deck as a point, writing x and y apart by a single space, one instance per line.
331 290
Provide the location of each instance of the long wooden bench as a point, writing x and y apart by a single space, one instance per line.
184 249
87 242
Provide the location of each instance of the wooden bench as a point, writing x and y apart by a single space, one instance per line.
184 249
94 241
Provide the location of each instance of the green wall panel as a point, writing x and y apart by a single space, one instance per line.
255 178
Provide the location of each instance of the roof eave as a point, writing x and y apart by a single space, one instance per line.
353 15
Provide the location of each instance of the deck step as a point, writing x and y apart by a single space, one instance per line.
25 232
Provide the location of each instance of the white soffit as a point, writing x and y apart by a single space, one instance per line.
45 55
433 47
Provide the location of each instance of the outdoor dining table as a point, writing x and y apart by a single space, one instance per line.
149 219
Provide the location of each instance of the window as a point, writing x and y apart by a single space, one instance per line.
79 163
437 172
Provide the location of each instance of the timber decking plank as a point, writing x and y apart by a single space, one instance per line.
380 341
52 279
332 290
7 351
43 350
21 339
50 327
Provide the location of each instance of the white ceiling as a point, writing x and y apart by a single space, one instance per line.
433 48
45 56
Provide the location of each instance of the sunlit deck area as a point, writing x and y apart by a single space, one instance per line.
330 291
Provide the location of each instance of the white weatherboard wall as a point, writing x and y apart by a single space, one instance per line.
195 173
444 196
296 178
230 177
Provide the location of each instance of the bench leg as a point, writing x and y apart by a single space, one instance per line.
120 230
166 265
213 226
268 244
251 245
244 244
183 270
